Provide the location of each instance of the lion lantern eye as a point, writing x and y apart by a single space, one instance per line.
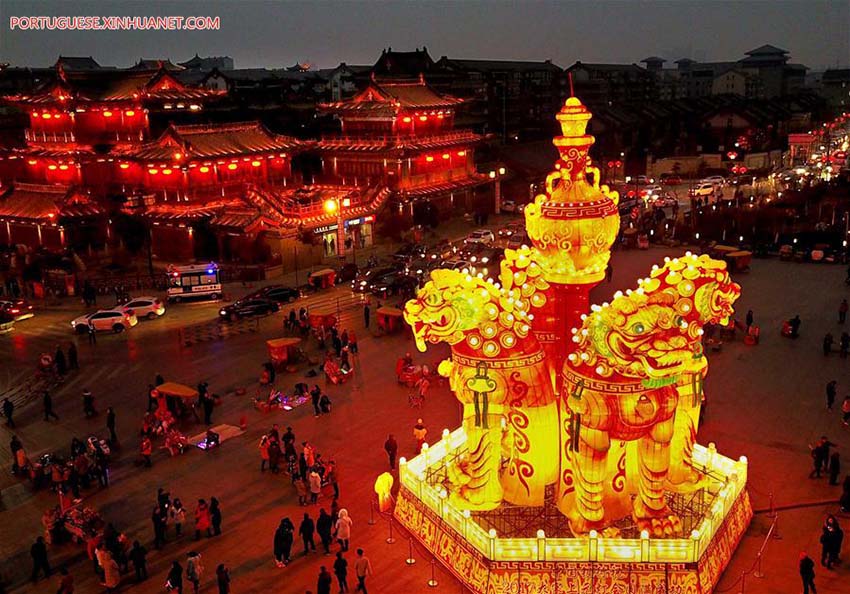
678 320
638 328
432 299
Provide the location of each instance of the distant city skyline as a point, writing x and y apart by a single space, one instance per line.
278 34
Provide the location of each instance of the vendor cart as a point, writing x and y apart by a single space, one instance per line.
324 320
322 279
184 397
389 319
283 351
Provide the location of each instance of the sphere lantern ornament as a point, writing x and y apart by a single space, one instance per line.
576 221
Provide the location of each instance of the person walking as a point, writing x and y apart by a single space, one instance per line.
419 433
391 447
88 404
820 455
324 527
146 450
315 396
366 314
844 344
47 402
315 486
341 572
202 519
323 585
194 569
178 516
215 516
66 582
307 529
110 424
38 552
222 578
92 335
749 319
830 394
352 342
845 411
842 311
73 363
343 529
363 569
834 468
175 578
333 477
59 361
111 573
159 524
138 555
8 411
264 452
827 344
283 542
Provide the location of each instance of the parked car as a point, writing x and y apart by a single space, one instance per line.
642 180
18 309
480 236
670 180
743 180
246 308
650 191
278 293
408 252
487 256
364 279
510 229
717 180
347 272
517 240
145 307
458 265
664 200
508 206
703 189
395 284
117 320
7 322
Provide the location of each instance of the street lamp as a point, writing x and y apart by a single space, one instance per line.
496 176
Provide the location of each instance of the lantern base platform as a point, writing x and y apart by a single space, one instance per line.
488 557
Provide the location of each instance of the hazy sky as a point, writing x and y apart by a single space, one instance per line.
273 33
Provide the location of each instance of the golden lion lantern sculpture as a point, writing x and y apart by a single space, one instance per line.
603 405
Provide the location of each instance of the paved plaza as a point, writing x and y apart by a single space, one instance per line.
766 402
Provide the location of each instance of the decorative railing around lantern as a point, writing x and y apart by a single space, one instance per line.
728 480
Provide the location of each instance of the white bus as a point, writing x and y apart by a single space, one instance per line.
195 281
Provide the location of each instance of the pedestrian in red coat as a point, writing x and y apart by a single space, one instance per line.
202 519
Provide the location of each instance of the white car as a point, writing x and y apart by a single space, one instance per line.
480 236
717 180
145 307
104 320
650 191
704 189
508 206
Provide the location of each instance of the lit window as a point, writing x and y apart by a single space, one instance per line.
461 153
204 169
423 118
406 120
129 113
51 167
153 171
232 166
445 155
32 162
255 163
124 166
46 116
429 158
166 172
63 167
107 114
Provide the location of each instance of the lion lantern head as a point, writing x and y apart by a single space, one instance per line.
654 333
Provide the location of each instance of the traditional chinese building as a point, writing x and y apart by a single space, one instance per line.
400 134
77 118
49 216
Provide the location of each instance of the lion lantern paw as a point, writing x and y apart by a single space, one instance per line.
663 524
